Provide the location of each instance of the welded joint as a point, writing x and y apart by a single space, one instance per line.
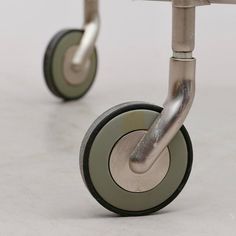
183 55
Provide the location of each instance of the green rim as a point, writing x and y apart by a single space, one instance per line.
97 167
53 66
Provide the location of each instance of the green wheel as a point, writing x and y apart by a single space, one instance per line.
61 79
104 162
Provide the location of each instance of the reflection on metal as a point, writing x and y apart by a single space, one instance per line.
126 178
180 96
91 30
176 108
74 77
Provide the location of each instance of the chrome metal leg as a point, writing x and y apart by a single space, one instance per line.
91 30
180 97
181 86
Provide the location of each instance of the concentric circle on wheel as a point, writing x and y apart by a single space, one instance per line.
120 165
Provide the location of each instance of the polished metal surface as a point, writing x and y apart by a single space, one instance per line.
180 96
176 108
183 29
125 177
91 30
183 55
74 77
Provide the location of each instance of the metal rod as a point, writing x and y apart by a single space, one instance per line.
183 29
91 30
180 96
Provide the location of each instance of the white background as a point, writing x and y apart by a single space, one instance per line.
41 191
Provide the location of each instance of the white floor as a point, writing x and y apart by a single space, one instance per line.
41 191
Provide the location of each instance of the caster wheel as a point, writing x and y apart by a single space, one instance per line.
104 162
62 80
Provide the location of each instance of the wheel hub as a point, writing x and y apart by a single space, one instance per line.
125 177
74 76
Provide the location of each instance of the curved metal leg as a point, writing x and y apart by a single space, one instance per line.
91 30
181 88
176 109
180 97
